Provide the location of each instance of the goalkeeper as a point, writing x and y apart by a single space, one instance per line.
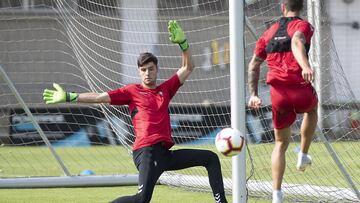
148 105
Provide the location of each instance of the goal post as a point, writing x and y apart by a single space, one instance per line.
237 91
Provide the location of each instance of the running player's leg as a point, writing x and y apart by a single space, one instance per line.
308 127
145 161
305 100
278 162
186 158
283 115
307 131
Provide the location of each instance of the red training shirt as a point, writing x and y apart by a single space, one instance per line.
283 67
152 120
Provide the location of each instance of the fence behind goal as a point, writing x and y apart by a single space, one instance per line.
93 46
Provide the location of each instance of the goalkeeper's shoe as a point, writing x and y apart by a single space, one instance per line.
303 162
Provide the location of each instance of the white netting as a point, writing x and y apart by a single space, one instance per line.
92 45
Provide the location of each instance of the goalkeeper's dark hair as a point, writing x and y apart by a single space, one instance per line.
145 58
293 5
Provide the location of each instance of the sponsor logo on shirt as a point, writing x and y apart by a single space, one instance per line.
280 38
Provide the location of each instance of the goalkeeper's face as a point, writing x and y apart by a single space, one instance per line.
148 74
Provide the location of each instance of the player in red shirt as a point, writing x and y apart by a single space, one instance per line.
284 46
148 105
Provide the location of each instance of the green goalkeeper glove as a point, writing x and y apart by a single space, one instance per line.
59 95
177 35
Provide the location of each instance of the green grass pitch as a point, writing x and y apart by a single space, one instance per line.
26 161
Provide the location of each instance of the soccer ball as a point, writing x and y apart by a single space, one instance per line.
229 141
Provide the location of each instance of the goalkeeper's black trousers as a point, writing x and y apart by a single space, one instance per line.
152 161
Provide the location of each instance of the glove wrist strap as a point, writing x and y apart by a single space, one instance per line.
184 45
71 97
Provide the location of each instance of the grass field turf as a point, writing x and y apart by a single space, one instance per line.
26 161
162 194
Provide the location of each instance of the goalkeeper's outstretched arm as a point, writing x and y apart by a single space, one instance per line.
93 97
177 36
59 95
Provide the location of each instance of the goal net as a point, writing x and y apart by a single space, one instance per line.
92 45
